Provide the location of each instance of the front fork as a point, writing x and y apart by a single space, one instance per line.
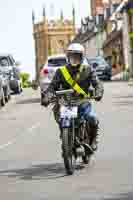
70 124
79 135
73 130
75 137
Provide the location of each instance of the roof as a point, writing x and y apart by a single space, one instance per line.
112 37
82 37
119 9
4 54
96 57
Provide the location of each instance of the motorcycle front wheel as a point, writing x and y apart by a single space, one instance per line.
67 148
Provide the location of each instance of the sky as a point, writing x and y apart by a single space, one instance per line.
16 25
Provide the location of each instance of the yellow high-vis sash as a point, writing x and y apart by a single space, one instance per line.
72 82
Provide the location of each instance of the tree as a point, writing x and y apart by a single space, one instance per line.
25 79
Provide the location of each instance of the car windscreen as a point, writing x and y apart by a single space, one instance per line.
55 62
99 61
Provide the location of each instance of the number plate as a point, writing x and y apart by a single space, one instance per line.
70 112
12 78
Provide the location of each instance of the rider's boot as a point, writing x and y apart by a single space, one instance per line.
94 135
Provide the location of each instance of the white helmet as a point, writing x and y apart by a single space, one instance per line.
75 54
76 48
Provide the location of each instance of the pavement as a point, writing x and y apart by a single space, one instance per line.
121 76
31 167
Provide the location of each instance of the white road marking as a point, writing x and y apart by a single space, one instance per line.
14 140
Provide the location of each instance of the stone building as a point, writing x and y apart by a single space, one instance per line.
117 45
129 17
93 32
96 5
92 40
51 37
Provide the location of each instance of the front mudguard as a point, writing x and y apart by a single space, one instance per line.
65 122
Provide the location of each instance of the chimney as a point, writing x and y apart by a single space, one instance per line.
114 5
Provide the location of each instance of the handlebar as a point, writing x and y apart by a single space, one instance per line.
70 99
69 91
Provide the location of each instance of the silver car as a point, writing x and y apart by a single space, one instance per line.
2 97
48 71
8 63
5 93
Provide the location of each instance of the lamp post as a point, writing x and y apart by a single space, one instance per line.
99 39
99 27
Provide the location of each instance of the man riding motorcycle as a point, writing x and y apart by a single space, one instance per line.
79 77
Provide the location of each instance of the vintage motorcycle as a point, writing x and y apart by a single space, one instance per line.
74 130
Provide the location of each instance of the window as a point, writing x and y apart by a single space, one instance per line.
114 7
55 62
85 62
101 19
107 13
11 61
4 61
99 61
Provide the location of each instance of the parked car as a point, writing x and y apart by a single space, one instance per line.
103 69
48 71
2 97
7 62
5 87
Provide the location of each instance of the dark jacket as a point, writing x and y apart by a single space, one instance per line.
86 79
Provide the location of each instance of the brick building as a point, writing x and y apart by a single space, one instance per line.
96 7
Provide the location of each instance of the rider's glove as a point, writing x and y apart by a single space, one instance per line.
98 98
91 92
76 94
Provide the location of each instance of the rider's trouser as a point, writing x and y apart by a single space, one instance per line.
86 111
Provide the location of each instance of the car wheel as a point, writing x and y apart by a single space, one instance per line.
42 99
7 94
6 97
109 78
18 90
3 102
9 97
21 89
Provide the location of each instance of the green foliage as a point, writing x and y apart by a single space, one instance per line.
130 11
25 79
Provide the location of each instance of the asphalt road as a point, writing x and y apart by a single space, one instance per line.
31 167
